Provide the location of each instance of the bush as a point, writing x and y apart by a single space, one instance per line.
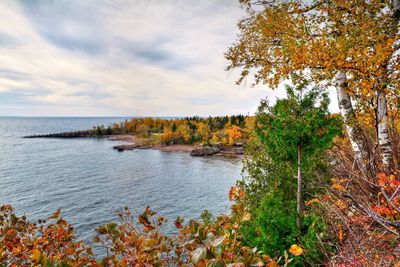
130 242
274 230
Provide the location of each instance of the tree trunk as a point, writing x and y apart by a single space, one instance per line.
299 189
396 7
382 113
352 127
383 131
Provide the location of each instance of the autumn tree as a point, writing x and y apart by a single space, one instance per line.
347 44
203 131
167 136
214 139
296 128
143 130
234 133
184 131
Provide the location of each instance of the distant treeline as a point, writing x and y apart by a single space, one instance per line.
189 130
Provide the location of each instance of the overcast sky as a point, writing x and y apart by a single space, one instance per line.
121 58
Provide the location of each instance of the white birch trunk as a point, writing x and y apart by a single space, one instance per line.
382 113
383 131
352 127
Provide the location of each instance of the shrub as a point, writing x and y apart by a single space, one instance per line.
131 242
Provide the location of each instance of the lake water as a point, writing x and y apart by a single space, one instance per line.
89 180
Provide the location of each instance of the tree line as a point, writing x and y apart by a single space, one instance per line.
190 130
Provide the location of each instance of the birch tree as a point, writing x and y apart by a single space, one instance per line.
382 105
347 44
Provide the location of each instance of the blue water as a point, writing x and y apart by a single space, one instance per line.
89 180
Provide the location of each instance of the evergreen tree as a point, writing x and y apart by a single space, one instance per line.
173 128
297 128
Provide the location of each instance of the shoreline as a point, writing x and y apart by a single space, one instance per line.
136 143
133 142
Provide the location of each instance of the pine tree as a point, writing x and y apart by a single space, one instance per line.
296 128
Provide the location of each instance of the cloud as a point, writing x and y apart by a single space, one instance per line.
117 57
7 40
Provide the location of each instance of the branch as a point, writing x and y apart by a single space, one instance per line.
389 200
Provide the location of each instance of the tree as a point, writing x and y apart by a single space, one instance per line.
296 128
167 136
143 130
203 131
173 128
234 133
214 139
184 131
351 44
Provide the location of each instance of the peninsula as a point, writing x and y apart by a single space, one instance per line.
195 135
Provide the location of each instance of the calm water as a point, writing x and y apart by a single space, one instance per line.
88 180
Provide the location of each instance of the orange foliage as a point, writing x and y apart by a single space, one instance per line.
23 243
388 202
234 133
133 243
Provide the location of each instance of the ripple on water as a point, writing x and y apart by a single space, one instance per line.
90 181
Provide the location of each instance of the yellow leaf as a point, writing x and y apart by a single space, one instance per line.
16 250
36 255
338 187
341 234
314 200
55 214
296 250
246 217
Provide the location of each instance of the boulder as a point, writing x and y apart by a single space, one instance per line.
121 148
204 151
218 146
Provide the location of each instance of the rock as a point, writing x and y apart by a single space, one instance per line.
218 146
121 148
76 134
204 151
232 151
239 151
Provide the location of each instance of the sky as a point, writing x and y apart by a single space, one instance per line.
121 58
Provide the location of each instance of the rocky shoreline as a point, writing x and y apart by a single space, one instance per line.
75 134
194 151
135 143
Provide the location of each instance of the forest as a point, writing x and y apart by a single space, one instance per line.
225 130
318 189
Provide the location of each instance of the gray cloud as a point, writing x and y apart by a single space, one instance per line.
7 40
13 74
119 57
